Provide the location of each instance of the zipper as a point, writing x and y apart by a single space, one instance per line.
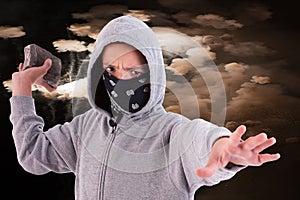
112 136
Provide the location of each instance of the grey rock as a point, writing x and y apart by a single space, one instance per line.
34 56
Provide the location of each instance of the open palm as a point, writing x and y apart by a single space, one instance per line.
233 149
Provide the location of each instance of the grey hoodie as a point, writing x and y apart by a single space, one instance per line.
150 154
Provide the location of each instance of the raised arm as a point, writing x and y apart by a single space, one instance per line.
39 151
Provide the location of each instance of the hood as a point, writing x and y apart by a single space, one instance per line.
132 31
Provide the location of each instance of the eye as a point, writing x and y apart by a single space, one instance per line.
110 68
136 73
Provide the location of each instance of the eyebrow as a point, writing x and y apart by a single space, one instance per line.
136 67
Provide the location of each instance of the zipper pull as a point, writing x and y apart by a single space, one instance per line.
113 124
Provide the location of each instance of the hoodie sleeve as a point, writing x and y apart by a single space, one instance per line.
40 151
192 147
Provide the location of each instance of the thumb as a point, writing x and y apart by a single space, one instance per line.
35 73
45 67
47 64
207 171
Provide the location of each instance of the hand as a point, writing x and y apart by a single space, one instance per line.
23 80
232 149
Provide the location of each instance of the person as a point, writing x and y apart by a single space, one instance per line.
127 146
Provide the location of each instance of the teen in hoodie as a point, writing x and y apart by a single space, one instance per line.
127 146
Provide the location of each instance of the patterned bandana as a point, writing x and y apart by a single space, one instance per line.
127 96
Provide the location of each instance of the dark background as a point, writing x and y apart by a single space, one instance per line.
46 21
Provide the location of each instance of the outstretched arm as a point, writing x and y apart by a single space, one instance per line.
233 149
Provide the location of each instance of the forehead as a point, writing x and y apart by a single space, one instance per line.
116 51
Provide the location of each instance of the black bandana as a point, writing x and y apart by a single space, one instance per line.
127 96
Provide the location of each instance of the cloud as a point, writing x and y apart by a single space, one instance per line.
232 125
198 79
90 29
154 17
200 57
198 98
246 13
211 41
65 91
181 66
233 75
90 47
80 29
8 86
95 19
204 81
70 90
183 98
256 102
195 97
235 67
101 12
217 22
261 79
192 30
226 37
195 43
247 49
11 32
100 15
169 37
259 12
183 17
194 6
249 13
69 45
203 106
140 14
173 108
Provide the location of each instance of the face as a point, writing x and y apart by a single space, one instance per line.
124 61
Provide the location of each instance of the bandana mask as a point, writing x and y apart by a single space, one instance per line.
127 96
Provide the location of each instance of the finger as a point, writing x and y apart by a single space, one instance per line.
44 68
205 172
47 63
44 83
49 88
210 168
252 142
263 158
236 136
269 142
20 67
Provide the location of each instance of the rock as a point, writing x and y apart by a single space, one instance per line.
35 56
